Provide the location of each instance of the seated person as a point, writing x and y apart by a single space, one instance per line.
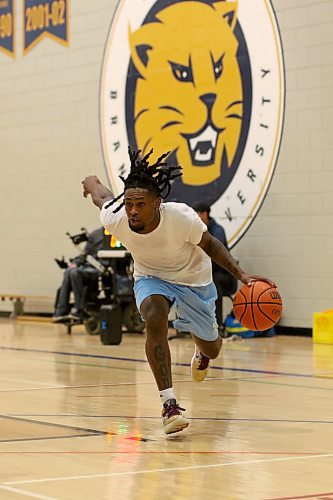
76 276
224 281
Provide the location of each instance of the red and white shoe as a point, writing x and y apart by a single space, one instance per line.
199 366
172 417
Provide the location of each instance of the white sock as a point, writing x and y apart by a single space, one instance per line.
166 395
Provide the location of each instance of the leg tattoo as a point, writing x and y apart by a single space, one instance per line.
161 359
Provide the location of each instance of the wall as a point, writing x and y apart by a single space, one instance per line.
49 142
291 239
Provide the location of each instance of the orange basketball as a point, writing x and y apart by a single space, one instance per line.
259 306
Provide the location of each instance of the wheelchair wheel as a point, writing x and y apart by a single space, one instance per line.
92 325
132 319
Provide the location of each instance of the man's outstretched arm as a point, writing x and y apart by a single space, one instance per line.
219 254
99 193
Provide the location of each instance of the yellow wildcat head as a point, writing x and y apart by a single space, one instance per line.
189 96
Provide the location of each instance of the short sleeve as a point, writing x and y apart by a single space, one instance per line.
109 219
198 228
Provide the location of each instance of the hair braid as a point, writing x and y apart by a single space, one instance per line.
155 178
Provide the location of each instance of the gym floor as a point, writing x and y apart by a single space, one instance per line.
82 420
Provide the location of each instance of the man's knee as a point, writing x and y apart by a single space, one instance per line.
72 271
215 350
76 277
155 320
210 349
155 310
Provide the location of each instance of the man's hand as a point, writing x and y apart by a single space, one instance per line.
99 193
249 279
89 183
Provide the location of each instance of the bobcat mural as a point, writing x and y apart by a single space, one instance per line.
189 91
204 79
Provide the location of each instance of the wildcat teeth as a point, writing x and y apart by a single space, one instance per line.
203 145
204 156
208 135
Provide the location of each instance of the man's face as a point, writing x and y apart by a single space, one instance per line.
141 209
203 216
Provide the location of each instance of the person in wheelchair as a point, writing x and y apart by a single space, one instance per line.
225 283
80 277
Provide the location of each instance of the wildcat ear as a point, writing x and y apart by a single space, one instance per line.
228 10
141 42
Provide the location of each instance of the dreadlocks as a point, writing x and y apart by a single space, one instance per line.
155 178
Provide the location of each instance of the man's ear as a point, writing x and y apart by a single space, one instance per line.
158 202
228 10
141 42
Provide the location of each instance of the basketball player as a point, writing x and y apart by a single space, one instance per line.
172 252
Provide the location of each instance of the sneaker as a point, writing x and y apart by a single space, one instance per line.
172 417
199 366
59 319
74 317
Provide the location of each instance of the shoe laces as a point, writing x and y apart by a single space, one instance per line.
203 362
171 408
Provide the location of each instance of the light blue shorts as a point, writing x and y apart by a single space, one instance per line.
194 306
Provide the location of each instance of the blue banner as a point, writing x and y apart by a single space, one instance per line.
45 18
7 27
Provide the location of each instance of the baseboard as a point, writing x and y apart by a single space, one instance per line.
293 330
30 317
6 314
39 314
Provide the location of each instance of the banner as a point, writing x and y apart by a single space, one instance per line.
45 18
7 27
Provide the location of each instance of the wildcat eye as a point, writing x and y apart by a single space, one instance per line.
218 67
181 73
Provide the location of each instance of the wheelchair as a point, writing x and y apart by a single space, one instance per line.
111 287
112 284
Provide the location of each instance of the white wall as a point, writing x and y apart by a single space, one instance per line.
292 237
49 140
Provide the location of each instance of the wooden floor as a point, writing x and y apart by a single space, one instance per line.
80 420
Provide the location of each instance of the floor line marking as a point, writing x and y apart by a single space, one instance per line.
25 381
318 495
148 417
51 424
124 384
83 386
25 493
140 360
170 469
138 452
286 385
49 438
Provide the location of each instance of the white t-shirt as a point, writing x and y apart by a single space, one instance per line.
170 252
